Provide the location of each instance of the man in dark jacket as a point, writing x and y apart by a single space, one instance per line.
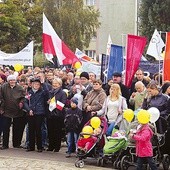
117 78
35 105
12 97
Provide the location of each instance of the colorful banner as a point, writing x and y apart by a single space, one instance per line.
115 60
166 69
135 47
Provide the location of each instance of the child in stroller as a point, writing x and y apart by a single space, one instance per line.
91 140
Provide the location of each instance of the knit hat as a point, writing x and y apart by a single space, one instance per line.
11 77
74 100
84 74
165 86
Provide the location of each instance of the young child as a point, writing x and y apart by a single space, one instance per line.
72 122
143 135
85 144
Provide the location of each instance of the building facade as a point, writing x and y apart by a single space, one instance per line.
118 18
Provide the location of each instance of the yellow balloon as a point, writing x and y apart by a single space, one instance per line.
77 65
143 116
18 67
88 130
95 122
22 67
128 115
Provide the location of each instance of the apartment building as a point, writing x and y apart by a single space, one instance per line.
118 18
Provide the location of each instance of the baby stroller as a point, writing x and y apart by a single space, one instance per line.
130 159
96 149
114 148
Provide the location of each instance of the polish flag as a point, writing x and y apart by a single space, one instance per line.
59 105
54 46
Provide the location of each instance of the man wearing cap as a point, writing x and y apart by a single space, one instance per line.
117 78
12 96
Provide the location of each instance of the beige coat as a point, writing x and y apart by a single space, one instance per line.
95 99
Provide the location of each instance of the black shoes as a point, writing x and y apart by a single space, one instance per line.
4 147
17 146
49 149
39 150
56 150
29 149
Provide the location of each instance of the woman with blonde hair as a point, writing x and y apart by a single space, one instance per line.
113 106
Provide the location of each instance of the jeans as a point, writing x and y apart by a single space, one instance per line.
149 160
110 129
71 139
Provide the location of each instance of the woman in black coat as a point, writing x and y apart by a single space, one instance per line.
55 120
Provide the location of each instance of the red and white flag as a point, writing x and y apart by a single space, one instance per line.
54 46
59 105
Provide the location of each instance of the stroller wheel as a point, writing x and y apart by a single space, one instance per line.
79 163
115 164
102 162
99 162
118 165
165 161
124 164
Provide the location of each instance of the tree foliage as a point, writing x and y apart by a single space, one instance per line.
21 22
154 14
13 27
75 23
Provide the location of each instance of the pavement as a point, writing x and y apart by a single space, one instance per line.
19 159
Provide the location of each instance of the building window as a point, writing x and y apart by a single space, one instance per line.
91 53
90 2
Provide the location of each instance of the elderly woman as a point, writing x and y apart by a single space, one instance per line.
55 120
136 99
113 106
93 100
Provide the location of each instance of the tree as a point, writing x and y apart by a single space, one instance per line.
154 14
21 22
13 27
75 23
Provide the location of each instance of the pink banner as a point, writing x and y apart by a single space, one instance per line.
134 50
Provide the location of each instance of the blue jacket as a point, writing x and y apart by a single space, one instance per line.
37 102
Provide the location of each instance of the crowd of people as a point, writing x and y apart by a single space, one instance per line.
25 99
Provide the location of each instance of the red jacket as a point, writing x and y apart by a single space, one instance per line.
143 141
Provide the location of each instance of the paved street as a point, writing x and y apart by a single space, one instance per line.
19 159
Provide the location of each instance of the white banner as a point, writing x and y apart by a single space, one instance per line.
90 67
24 57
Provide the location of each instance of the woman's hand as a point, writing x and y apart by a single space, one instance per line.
31 113
88 109
93 113
48 102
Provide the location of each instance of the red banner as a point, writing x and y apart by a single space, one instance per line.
166 70
135 47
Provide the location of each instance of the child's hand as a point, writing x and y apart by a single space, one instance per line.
131 135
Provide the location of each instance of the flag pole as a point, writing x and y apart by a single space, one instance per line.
123 49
